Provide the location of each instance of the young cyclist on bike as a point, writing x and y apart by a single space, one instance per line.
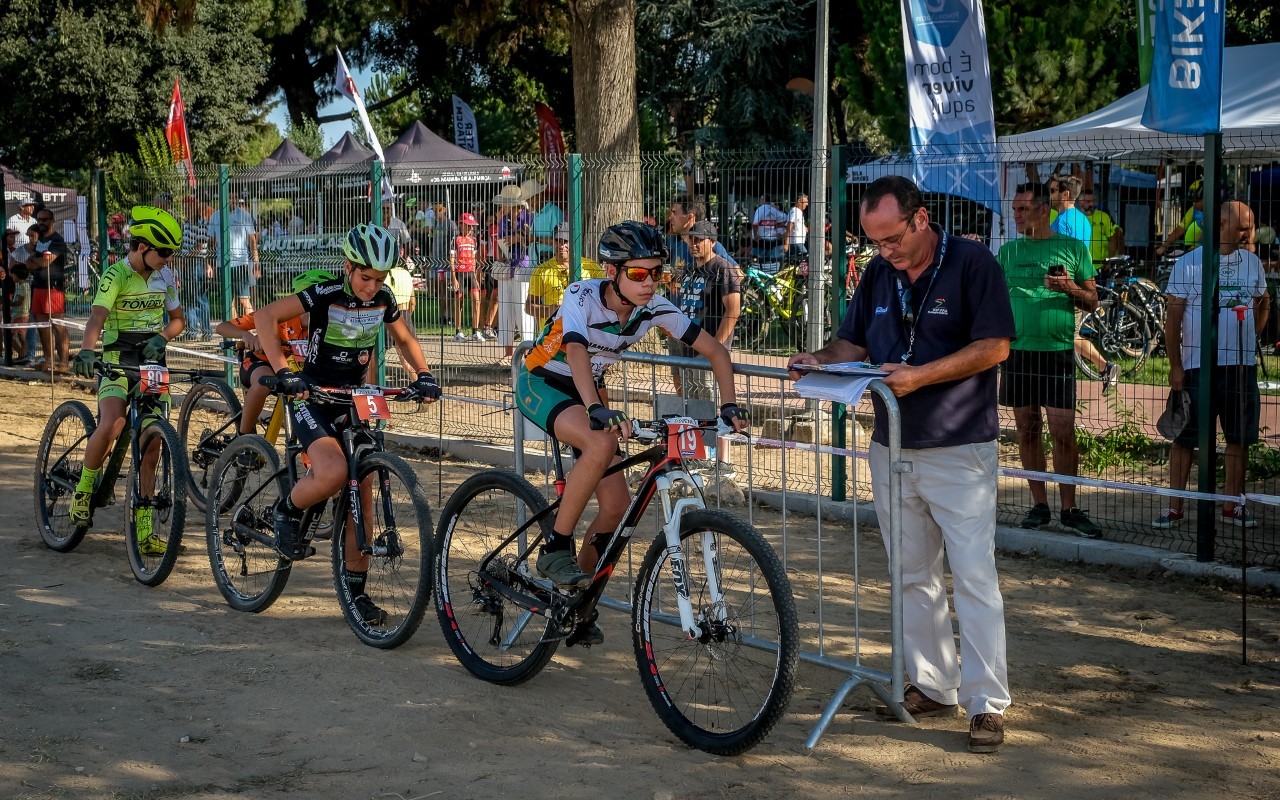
346 316
559 387
292 334
128 315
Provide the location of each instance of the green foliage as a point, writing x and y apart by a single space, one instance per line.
717 73
307 136
137 178
1124 446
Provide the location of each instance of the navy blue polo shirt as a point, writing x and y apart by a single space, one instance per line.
968 300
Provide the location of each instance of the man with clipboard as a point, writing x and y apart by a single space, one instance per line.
934 310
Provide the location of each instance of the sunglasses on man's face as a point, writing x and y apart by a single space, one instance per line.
164 252
639 274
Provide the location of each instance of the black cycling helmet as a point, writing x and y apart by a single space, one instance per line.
630 240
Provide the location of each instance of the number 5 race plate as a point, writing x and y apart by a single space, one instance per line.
371 404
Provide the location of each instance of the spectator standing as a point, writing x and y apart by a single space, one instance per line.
550 279
768 225
443 232
242 247
710 294
797 234
465 280
934 309
1192 226
1108 237
546 217
393 223
681 217
513 280
47 266
24 219
1241 281
21 314
1069 220
196 273
1049 277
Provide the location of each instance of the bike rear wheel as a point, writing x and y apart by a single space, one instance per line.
152 558
494 639
207 423
723 690
398 580
246 482
59 460
755 320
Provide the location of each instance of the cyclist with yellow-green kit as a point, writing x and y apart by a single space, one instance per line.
135 315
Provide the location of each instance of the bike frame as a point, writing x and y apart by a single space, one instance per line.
663 473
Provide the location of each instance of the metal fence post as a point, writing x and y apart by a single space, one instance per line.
224 252
1206 519
375 215
575 217
837 303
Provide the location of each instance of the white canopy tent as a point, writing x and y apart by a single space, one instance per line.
1250 122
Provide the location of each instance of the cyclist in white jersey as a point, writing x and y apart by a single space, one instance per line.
597 321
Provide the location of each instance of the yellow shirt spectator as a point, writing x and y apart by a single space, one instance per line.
548 284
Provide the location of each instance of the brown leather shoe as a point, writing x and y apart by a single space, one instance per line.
918 704
986 733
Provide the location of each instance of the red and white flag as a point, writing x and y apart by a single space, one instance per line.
554 152
346 85
175 132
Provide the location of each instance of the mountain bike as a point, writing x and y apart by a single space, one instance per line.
1121 326
60 457
713 619
384 504
776 294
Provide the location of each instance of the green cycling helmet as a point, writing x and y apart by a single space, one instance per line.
311 277
372 247
156 227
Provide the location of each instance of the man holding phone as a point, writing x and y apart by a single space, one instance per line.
1049 275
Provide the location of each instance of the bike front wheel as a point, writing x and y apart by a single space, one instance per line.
722 687
59 460
245 484
153 525
207 423
1120 333
755 320
492 637
397 580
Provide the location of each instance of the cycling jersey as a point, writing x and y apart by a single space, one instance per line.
135 305
585 319
344 331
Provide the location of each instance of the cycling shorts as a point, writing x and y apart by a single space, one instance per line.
120 387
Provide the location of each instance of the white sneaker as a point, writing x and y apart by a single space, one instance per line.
478 336
459 337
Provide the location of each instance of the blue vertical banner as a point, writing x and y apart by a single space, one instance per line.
1185 93
953 129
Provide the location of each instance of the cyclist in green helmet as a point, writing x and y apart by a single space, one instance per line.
345 318
293 339
135 315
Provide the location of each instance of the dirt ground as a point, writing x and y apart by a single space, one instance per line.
1125 686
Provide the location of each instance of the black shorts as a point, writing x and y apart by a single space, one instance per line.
315 421
247 367
1237 412
1038 378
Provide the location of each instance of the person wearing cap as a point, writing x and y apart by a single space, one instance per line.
709 294
25 218
547 217
551 278
1234 398
462 258
684 213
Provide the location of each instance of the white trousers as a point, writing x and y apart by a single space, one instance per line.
514 326
949 504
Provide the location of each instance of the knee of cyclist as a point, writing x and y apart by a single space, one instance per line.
599 449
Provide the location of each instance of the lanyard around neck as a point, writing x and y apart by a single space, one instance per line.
904 299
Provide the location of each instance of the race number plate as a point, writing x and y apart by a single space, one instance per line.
684 439
299 348
371 404
153 379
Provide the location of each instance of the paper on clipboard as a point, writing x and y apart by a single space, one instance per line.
844 368
836 388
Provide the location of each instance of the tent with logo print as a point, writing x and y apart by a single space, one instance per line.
421 158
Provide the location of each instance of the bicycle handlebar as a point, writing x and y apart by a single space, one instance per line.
339 394
116 370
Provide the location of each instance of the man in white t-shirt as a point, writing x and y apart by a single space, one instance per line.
25 218
1235 401
797 235
242 247
768 225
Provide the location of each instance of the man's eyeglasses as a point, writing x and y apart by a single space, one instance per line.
640 274
892 241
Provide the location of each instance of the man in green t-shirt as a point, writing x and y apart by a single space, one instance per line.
1049 276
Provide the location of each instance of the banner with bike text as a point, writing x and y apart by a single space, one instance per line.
953 129
1185 93
465 134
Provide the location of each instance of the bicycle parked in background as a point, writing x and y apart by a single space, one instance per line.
1128 324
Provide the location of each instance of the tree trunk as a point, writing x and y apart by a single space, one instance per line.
606 113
